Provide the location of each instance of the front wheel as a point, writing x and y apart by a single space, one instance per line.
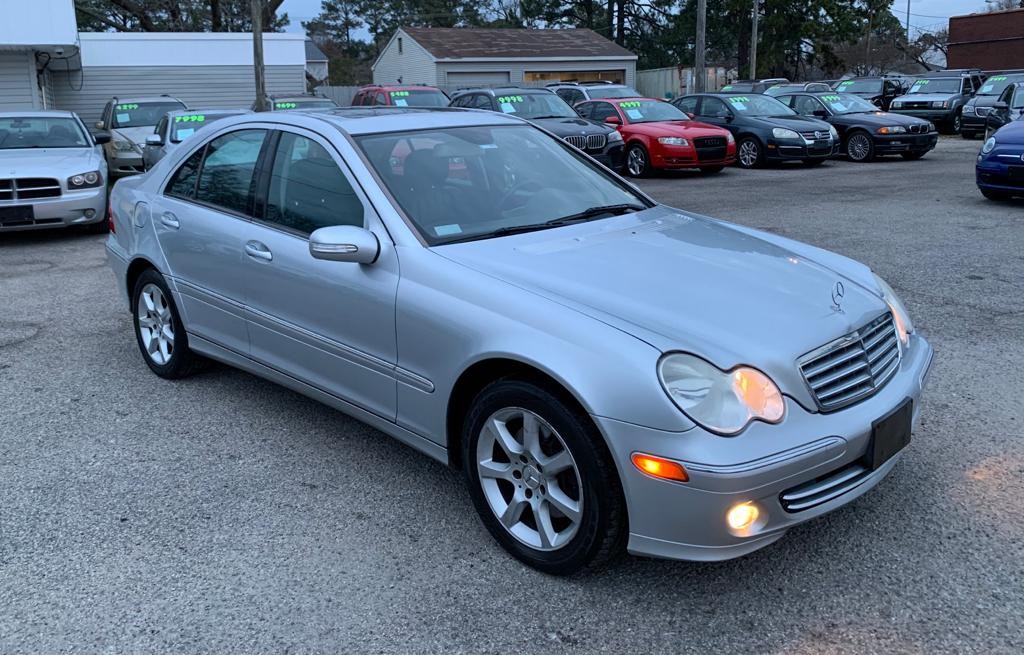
955 125
859 147
159 330
638 164
749 153
542 479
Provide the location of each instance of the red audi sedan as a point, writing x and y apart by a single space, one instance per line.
659 136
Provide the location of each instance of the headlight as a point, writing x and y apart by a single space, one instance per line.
895 105
968 110
895 129
721 401
729 138
783 133
85 180
899 313
989 145
833 132
614 136
673 141
939 104
123 146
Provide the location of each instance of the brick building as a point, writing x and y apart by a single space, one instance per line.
993 41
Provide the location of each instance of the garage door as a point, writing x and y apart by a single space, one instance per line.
481 78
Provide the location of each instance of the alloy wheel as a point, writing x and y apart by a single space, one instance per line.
749 153
156 325
858 147
529 478
636 162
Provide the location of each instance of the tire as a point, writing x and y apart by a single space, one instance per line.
169 356
910 156
638 162
859 147
955 124
997 196
749 153
711 170
510 480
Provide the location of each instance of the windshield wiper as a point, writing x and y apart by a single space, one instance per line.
579 217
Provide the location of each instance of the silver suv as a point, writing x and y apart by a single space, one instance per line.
576 92
128 121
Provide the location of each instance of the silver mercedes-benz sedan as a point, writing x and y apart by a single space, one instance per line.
607 371
52 172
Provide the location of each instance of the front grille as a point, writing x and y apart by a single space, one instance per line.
596 141
824 488
918 128
820 135
709 142
909 104
982 111
28 188
711 154
852 367
577 141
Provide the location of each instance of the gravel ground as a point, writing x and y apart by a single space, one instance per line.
226 514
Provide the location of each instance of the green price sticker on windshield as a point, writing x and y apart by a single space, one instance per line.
739 100
399 94
920 83
830 98
630 104
285 105
193 118
127 107
510 99
997 78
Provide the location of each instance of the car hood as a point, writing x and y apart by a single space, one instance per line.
136 135
49 162
878 119
687 282
569 126
926 97
688 129
1011 133
797 123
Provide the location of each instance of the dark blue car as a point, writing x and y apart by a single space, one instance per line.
1000 167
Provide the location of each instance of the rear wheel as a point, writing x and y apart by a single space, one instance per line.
711 170
638 164
542 479
992 194
159 330
860 147
749 153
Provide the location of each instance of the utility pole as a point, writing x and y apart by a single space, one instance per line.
257 55
908 32
753 42
699 75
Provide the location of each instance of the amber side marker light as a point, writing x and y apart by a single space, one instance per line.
658 467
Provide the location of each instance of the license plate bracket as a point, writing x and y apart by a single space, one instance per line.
889 435
17 214
1016 173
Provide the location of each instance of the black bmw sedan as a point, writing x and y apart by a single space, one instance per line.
866 132
764 128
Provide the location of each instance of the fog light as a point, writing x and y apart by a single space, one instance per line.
742 517
658 467
89 213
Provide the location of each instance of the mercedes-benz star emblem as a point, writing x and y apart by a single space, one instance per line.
837 296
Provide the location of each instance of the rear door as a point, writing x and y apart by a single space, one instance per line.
714 112
329 324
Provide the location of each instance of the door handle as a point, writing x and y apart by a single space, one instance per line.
257 250
170 220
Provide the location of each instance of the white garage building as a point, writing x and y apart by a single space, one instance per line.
45 63
462 56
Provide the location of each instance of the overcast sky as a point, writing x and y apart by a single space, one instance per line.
928 15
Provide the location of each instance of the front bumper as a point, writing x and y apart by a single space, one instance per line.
972 123
781 150
669 157
71 208
994 175
610 157
886 144
687 520
124 163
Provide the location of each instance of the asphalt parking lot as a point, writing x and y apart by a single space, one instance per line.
226 514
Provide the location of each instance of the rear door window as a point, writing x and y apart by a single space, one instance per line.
227 176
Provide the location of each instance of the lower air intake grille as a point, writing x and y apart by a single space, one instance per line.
823 489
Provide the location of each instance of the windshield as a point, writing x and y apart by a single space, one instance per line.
418 98
758 105
41 132
846 103
612 92
142 114
860 86
994 85
535 105
473 182
939 85
651 111
185 126
304 103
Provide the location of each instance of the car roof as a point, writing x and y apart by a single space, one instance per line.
186 112
376 119
498 90
623 99
400 87
38 113
140 99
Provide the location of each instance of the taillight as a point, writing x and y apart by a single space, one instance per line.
110 218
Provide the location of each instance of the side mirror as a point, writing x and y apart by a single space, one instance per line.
728 117
691 115
820 113
101 139
154 140
344 243
613 120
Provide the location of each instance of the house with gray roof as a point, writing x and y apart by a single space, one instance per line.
454 57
